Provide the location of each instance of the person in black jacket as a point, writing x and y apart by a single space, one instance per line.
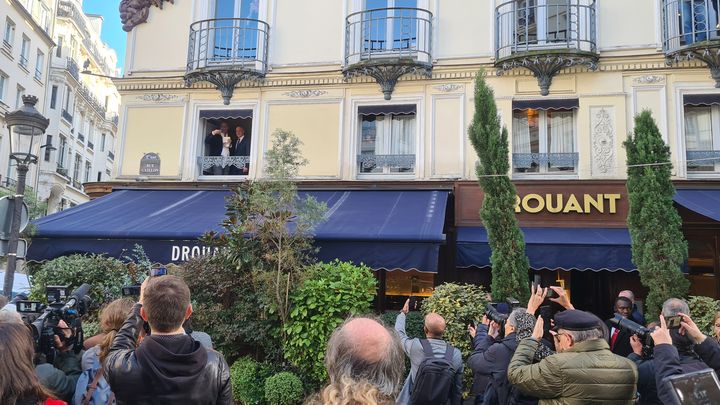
688 360
240 147
168 367
620 338
214 146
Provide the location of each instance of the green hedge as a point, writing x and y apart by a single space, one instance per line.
283 388
248 381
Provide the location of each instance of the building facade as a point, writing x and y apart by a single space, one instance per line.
28 27
82 104
381 94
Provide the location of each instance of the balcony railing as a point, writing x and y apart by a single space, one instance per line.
111 155
690 31
38 74
112 117
77 184
62 171
68 9
388 43
81 137
90 99
73 68
7 45
702 160
67 116
226 51
90 145
371 163
23 61
533 162
545 37
9 183
223 165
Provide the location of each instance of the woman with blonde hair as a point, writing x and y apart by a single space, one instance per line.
92 387
19 385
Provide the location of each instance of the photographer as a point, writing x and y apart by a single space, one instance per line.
61 376
681 343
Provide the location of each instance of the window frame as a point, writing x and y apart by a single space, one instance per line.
24 61
715 133
53 96
62 152
10 29
4 82
18 96
543 146
39 64
48 141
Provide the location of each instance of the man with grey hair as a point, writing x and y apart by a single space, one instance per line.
583 371
365 364
491 357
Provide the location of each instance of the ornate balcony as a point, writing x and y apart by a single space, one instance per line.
532 162
227 51
218 165
691 30
545 37
73 68
388 43
371 163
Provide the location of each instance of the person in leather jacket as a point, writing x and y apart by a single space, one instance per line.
168 367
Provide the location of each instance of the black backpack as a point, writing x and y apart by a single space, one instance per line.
434 377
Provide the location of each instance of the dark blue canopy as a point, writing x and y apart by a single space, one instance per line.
383 229
555 248
704 202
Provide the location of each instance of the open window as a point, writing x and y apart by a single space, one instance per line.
702 133
225 138
387 139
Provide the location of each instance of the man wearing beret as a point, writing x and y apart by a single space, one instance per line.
584 370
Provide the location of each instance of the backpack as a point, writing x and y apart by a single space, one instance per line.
434 377
93 389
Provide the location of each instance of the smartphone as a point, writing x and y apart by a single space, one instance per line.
160 271
413 303
673 322
131 291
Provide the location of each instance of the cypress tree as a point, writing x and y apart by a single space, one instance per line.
658 247
507 243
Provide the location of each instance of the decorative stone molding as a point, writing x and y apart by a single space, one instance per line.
649 79
159 97
448 87
136 12
305 93
602 137
545 67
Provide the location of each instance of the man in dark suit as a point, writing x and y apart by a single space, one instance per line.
620 338
240 147
214 145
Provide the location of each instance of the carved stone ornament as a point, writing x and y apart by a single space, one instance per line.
158 97
387 74
224 80
603 142
545 67
649 79
305 93
136 12
448 88
709 54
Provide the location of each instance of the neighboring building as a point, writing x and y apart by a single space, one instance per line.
27 42
82 109
381 94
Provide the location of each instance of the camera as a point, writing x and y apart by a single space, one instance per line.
640 331
134 290
45 326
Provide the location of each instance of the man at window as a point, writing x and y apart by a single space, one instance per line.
241 147
214 145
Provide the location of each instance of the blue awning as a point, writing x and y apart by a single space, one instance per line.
555 248
705 202
383 229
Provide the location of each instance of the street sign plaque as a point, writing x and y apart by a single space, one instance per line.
21 250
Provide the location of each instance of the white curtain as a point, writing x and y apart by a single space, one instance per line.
560 126
521 133
698 128
402 140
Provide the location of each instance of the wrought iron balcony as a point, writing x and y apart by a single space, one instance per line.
23 61
90 145
223 165
702 160
388 43
545 37
227 51
81 137
371 163
67 116
38 74
73 68
533 162
111 155
62 171
691 30
77 184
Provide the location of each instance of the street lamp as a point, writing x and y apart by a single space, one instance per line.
26 126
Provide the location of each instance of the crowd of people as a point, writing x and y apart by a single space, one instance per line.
146 354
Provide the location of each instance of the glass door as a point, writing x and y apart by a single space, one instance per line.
236 31
385 28
543 22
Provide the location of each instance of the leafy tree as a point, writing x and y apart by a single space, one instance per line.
36 208
703 311
268 228
658 247
490 140
331 292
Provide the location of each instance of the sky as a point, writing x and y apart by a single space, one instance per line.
112 32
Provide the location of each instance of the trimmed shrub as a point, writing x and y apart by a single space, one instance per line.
414 323
702 311
106 275
331 293
247 377
283 388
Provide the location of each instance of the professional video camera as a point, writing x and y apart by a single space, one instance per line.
44 319
638 330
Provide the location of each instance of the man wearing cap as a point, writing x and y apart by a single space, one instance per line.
584 370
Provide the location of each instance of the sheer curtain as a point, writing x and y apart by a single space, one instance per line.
560 129
698 128
402 134
521 133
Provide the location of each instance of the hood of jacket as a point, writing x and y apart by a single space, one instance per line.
171 362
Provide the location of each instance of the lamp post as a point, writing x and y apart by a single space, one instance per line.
26 126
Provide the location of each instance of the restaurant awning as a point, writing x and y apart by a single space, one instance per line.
546 104
593 249
383 229
705 202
